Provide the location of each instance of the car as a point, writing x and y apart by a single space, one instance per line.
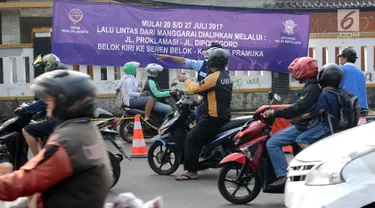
335 172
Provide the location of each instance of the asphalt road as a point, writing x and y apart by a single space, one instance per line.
137 177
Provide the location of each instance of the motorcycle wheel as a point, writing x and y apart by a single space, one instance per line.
126 131
115 167
162 157
244 181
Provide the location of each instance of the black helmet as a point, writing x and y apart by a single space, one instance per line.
218 58
350 54
74 93
49 62
330 75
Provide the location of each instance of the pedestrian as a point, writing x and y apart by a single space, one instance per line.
354 80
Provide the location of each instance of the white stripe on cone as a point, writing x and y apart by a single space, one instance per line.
362 120
137 125
139 143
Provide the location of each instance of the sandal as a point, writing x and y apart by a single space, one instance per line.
185 177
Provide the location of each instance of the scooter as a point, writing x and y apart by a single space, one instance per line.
171 137
253 163
126 124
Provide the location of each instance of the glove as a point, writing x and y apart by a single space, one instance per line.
144 93
174 92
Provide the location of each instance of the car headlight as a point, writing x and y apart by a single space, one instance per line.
327 173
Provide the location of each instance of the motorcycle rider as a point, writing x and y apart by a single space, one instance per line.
328 106
40 131
354 80
200 66
73 168
217 96
305 70
131 96
153 90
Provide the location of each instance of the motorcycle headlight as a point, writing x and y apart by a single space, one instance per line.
246 151
327 173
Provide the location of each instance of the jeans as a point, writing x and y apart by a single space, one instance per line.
289 136
204 131
160 108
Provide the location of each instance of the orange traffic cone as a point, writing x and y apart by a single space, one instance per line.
139 149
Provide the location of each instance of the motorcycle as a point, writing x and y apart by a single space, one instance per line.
253 163
126 124
14 149
172 134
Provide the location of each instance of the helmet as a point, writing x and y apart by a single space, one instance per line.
218 58
49 62
208 51
153 70
74 93
130 67
304 68
350 54
330 74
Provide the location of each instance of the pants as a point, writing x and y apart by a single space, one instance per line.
289 136
204 131
198 113
160 108
41 130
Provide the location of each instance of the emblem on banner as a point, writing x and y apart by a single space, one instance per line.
289 27
75 15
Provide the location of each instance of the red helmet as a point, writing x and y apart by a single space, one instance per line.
304 68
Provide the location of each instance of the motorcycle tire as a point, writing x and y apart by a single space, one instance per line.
115 167
228 196
126 134
155 167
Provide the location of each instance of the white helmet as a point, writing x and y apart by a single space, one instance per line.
153 70
207 53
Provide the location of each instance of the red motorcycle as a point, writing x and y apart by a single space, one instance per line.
252 164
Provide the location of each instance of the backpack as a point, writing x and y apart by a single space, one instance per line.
350 110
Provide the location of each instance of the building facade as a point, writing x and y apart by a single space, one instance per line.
23 22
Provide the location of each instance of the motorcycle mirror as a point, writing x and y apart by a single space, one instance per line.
277 97
270 95
173 84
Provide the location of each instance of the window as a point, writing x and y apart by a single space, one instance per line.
27 69
76 67
103 72
1 71
117 72
90 71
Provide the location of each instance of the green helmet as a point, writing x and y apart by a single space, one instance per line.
130 67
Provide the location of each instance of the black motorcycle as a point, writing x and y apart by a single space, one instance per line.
14 149
168 146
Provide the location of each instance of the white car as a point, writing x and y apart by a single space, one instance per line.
335 172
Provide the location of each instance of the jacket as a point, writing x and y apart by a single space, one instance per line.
35 107
354 81
129 88
152 88
72 170
217 94
306 102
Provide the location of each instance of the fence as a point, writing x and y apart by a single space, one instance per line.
18 72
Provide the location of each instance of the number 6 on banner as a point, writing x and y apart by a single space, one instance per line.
348 20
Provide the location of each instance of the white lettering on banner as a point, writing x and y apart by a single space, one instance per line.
178 38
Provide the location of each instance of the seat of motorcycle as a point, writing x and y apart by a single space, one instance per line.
237 122
139 110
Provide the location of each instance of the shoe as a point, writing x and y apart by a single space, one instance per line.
279 182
